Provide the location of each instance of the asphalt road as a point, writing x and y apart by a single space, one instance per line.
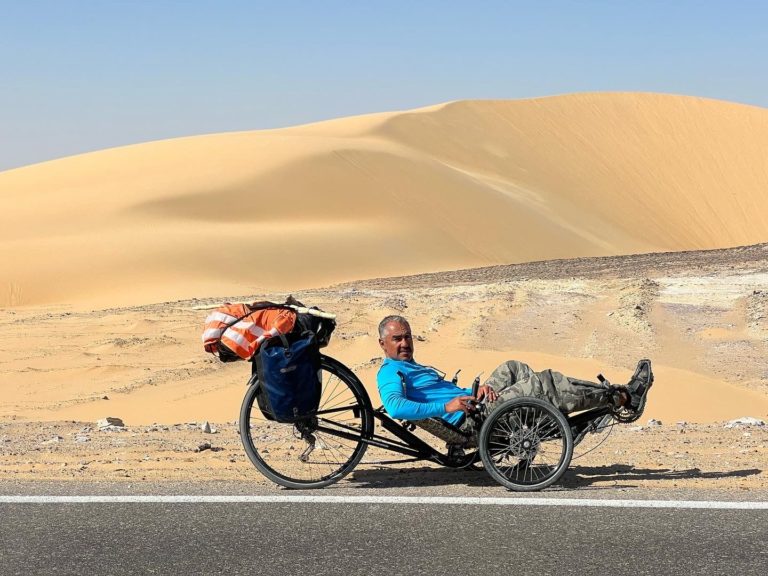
409 539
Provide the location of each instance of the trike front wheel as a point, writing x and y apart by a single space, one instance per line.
526 444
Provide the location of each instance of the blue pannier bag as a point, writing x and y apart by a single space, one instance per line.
289 376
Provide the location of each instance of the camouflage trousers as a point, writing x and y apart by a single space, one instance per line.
514 379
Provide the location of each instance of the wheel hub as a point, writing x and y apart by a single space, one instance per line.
523 444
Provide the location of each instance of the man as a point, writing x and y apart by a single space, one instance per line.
411 391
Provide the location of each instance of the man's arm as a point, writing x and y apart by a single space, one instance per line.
391 390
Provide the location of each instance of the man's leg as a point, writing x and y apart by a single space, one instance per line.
508 374
514 379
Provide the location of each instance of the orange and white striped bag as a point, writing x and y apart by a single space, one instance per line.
240 328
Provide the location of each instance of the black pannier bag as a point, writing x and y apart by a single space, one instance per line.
288 369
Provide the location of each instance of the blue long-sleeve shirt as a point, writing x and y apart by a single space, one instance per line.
420 393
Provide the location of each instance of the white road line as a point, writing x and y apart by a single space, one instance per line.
573 502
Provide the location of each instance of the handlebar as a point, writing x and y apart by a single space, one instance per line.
475 389
476 386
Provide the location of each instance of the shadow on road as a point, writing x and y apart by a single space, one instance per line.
577 477
582 476
422 476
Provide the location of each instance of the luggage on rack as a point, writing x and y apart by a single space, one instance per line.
283 341
235 331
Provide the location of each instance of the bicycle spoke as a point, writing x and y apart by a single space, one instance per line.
299 454
526 446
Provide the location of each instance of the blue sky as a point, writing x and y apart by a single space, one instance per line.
79 75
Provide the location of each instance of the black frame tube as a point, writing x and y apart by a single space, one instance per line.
417 449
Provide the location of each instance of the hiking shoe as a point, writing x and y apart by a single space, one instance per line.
638 386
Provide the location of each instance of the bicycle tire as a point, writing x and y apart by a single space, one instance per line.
275 449
526 444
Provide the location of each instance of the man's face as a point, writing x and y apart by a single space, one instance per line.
397 342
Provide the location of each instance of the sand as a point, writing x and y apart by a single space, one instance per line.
704 327
106 259
458 185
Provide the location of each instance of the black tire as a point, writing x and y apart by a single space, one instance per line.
276 449
526 444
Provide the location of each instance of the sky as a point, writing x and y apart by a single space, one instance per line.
83 75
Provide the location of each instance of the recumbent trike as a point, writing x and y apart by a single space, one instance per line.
525 444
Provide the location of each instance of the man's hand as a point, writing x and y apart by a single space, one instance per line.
485 391
460 404
466 404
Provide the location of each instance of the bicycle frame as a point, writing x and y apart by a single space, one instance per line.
417 449
409 444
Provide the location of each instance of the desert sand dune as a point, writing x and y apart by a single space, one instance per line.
453 186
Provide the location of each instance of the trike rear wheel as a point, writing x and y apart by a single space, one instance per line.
526 444
316 451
